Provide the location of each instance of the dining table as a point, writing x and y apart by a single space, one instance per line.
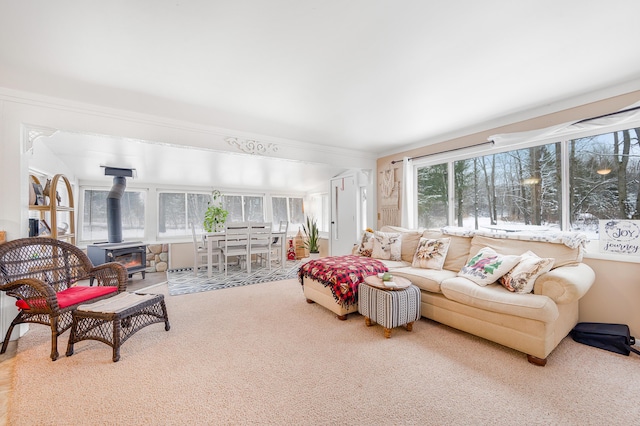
213 239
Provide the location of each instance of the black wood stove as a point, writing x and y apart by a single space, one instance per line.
132 255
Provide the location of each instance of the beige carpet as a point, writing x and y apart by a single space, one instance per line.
262 355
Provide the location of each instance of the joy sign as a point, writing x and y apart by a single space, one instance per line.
620 236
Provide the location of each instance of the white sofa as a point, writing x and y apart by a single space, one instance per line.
533 323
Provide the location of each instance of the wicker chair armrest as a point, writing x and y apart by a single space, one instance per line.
110 274
29 289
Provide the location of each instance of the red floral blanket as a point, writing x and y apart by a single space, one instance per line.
343 274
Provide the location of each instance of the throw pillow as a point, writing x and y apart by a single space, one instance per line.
487 266
430 253
366 244
523 276
387 245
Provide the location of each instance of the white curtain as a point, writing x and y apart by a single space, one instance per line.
567 129
407 221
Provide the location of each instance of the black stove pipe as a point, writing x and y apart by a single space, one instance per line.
114 210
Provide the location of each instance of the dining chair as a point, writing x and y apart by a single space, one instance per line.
200 252
280 243
236 243
261 242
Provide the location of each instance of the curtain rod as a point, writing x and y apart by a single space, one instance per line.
491 142
608 115
445 151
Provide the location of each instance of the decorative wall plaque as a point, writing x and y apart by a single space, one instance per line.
252 146
390 200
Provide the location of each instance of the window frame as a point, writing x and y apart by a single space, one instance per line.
564 140
185 193
243 204
80 222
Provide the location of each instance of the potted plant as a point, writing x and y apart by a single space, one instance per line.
215 216
312 236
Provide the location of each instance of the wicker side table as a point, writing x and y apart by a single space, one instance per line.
393 307
112 321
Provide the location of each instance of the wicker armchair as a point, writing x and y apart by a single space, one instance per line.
42 274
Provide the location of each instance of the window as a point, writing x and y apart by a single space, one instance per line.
604 179
94 214
178 210
514 188
432 196
244 208
288 209
524 188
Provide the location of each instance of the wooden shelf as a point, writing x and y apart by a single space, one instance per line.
53 209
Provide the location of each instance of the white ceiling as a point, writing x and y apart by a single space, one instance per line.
370 75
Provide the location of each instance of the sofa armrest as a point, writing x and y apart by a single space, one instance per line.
566 283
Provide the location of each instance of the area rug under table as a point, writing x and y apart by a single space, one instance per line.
183 281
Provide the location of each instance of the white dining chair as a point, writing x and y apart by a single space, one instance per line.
279 247
200 252
236 244
261 242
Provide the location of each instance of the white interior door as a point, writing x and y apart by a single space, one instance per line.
344 214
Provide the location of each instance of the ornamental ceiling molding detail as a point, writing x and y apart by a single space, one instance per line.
31 133
251 146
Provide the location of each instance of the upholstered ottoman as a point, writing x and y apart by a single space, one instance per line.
393 305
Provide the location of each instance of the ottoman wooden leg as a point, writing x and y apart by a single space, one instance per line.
367 321
387 332
410 326
116 340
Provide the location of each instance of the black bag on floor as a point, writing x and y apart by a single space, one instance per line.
611 337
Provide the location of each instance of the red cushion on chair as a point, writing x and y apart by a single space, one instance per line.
72 295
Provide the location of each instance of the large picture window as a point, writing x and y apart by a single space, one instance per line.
432 196
526 188
244 208
178 210
289 209
509 190
94 214
604 179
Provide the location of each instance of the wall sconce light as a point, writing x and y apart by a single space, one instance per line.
603 171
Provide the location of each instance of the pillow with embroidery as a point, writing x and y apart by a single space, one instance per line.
430 253
523 276
487 266
366 244
387 245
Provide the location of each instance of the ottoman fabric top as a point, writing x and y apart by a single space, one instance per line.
116 304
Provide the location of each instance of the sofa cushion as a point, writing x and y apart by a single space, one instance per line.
486 266
409 243
562 254
431 253
523 276
387 245
496 298
365 248
458 252
425 279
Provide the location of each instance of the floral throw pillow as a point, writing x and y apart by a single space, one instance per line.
366 244
387 245
487 266
430 253
523 276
